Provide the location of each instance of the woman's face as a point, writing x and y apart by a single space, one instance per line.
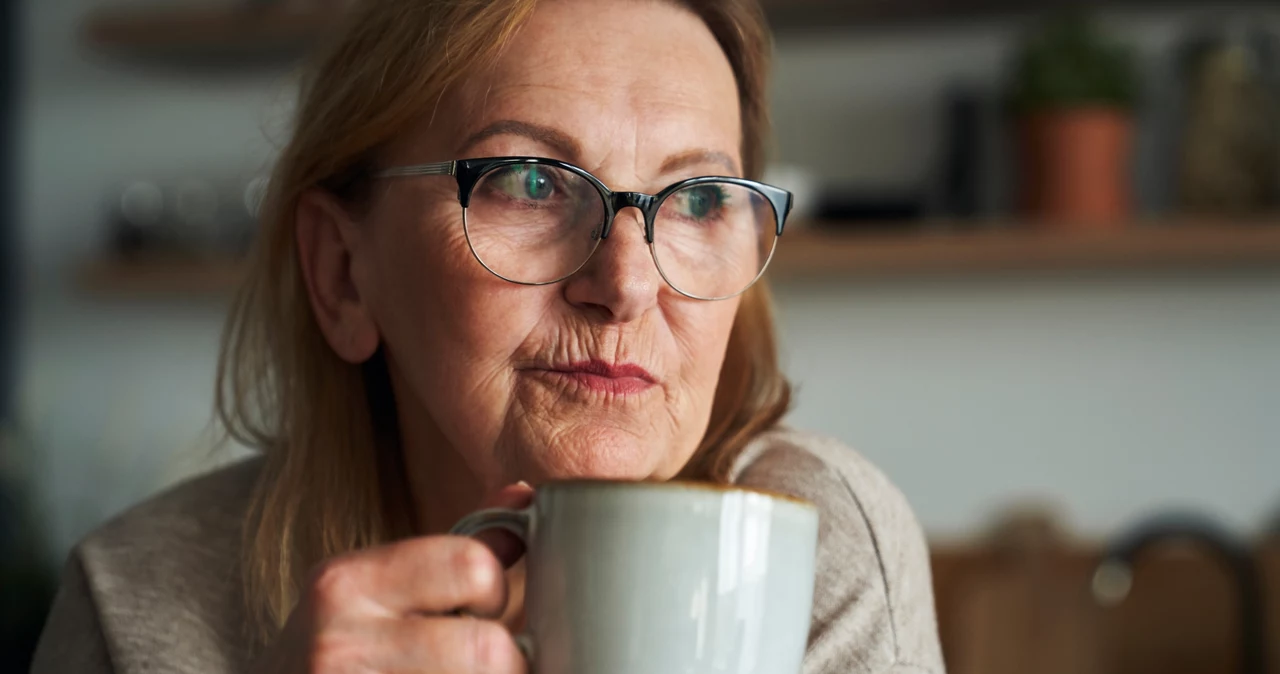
610 373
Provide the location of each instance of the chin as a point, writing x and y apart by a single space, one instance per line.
604 454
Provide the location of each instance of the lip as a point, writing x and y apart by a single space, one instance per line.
598 375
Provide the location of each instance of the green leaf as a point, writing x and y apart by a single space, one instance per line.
1067 62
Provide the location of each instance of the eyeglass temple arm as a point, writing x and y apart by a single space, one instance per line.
443 168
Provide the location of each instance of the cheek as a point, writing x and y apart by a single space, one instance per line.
702 332
416 266
449 325
437 300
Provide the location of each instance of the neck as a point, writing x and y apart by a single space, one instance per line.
442 487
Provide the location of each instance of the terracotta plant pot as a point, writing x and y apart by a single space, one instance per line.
1076 167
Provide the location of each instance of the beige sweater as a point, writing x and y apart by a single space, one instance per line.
157 589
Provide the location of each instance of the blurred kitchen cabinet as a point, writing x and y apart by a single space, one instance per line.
1029 607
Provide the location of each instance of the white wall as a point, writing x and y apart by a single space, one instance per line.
1109 397
1113 395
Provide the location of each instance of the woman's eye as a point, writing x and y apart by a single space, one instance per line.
526 183
702 201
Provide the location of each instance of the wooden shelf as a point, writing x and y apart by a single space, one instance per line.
808 15
213 35
160 276
254 34
817 251
228 31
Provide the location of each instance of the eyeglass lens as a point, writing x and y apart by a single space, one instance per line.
536 224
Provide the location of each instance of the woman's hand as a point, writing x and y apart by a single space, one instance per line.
394 609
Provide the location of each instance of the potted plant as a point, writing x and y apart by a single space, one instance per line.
1073 96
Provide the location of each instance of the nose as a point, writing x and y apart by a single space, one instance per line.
620 282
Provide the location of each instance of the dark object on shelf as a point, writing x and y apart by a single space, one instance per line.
964 162
189 216
857 211
1114 575
1230 141
1072 92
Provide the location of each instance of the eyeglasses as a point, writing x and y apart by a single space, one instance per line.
536 221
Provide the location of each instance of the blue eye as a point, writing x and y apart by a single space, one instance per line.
529 182
536 183
703 200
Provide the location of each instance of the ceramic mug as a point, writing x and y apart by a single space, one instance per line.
662 578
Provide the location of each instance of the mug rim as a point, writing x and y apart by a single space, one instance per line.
682 485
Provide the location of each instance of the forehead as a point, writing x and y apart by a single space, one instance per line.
627 80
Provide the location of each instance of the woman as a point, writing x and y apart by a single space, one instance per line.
401 361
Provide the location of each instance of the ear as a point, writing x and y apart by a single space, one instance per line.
328 245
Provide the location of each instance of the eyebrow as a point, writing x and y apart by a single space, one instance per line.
698 157
553 138
570 149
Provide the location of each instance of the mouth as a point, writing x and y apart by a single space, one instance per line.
602 377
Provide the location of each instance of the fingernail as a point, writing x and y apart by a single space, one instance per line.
522 483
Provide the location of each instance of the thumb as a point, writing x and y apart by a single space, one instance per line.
506 546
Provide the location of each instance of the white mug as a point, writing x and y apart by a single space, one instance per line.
662 577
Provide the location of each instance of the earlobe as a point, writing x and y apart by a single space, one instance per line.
329 253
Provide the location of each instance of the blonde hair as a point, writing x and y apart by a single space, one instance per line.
332 479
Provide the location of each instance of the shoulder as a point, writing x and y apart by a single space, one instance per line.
873 596
857 503
825 471
194 516
163 579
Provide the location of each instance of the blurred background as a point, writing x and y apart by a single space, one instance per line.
1034 275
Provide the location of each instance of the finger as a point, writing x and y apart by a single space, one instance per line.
433 575
505 545
434 645
518 495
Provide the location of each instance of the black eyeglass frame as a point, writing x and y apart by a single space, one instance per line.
468 173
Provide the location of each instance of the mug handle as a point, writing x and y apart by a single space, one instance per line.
518 522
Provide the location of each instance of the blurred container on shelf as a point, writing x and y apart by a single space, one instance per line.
187 216
853 209
1229 160
1073 94
962 171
